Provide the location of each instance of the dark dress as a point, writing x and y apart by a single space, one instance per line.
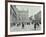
35 26
22 25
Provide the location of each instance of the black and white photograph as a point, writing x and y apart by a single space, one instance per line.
25 18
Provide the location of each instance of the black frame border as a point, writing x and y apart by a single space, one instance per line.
6 18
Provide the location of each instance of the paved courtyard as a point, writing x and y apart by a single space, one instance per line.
26 28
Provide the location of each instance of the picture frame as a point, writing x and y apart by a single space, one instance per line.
21 5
